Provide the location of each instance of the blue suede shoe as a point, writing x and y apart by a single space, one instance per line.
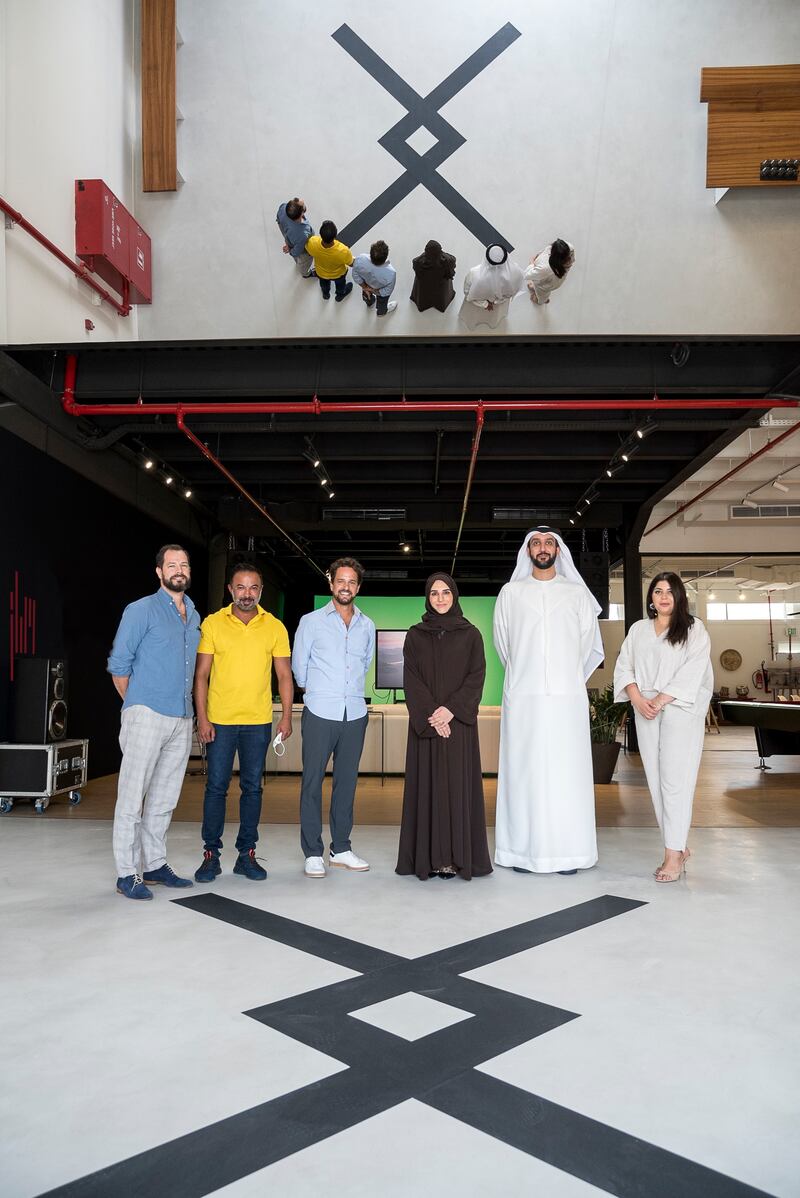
165 876
133 887
247 865
210 869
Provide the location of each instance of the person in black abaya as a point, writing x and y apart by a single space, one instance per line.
443 829
434 271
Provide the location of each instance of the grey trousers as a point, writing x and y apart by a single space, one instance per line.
345 740
303 262
155 750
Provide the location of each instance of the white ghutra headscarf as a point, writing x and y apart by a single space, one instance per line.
566 567
496 279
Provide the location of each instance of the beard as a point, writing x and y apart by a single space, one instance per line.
544 561
345 600
178 583
245 604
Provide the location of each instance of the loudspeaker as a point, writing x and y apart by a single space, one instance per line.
593 569
40 700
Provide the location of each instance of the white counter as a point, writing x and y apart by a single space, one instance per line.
385 742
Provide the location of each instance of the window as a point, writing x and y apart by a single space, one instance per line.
747 611
616 611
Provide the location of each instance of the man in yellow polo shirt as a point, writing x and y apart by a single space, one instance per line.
233 699
331 260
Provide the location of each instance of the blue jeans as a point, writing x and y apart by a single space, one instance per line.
339 284
252 742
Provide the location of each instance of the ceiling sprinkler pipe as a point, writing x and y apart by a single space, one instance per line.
206 452
476 440
713 486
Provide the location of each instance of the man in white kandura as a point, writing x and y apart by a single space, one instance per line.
548 638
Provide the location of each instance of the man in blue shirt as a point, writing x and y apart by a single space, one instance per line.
152 667
332 652
296 229
376 277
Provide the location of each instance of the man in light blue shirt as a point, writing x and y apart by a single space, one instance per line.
376 277
152 667
333 649
296 229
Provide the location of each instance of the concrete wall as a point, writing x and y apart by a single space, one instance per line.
67 110
587 127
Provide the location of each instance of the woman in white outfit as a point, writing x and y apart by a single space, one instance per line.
489 289
664 668
548 270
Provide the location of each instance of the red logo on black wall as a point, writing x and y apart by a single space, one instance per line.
22 623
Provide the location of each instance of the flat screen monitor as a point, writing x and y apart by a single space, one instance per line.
389 658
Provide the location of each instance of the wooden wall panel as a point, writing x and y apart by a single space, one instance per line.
159 150
753 113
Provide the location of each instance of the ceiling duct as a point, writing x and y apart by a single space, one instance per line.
765 511
370 514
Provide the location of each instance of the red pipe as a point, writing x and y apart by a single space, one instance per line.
476 440
206 452
713 486
316 407
79 270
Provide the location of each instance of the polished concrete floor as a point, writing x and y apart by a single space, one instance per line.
623 1037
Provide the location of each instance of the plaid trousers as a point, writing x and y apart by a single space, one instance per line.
155 751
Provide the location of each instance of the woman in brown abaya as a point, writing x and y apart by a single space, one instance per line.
443 829
434 271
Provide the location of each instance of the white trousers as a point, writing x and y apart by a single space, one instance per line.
155 750
671 746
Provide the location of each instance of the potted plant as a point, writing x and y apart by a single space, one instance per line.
604 718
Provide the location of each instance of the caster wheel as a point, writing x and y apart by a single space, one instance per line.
40 806
5 806
74 798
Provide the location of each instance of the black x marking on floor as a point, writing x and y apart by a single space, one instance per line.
423 112
385 1070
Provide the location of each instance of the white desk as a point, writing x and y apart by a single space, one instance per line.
385 740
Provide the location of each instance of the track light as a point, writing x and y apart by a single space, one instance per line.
612 469
748 502
571 520
323 482
742 595
780 486
187 494
331 494
711 596
169 480
315 463
644 430
149 464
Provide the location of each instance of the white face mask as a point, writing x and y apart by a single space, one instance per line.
278 746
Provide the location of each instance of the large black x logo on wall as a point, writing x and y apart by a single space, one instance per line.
423 111
384 1070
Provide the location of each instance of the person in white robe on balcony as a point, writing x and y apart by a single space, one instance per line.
664 668
548 270
548 639
489 289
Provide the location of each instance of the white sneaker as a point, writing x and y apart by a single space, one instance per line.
390 307
314 867
348 860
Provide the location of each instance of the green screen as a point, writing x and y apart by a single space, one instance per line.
402 611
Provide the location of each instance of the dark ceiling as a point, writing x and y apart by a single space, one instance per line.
400 479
